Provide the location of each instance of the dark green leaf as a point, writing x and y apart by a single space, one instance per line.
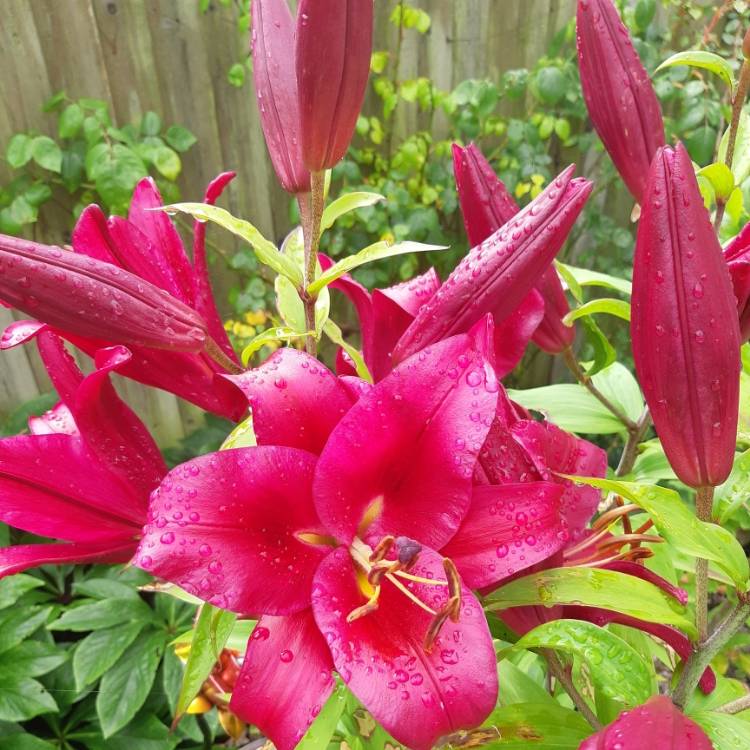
37 193
23 698
105 588
31 659
145 732
604 353
19 623
13 587
99 650
103 614
24 741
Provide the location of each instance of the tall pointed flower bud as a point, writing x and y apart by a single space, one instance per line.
686 337
486 205
497 274
87 297
333 49
619 96
275 81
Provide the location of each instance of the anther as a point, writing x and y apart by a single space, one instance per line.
454 582
368 608
383 548
434 630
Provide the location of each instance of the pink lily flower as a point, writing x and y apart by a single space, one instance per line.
737 256
147 248
85 475
345 554
657 723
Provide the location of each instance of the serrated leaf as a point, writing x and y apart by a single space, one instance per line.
376 251
585 277
100 650
211 633
19 150
124 688
593 587
680 528
615 666
266 252
346 203
705 60
103 614
617 307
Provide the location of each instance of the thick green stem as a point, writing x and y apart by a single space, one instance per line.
704 497
311 211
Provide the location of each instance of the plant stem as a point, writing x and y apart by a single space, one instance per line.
706 651
587 383
739 99
630 452
311 207
735 706
205 731
218 355
563 677
704 497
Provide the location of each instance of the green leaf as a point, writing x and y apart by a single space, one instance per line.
705 60
617 383
100 650
71 121
585 277
604 352
519 687
266 252
681 529
593 587
167 162
145 732
376 251
21 211
125 687
19 623
319 735
734 493
23 699
741 157
726 732
115 171
211 633
242 436
346 203
19 150
279 333
31 658
46 153
644 13
23 742
615 666
14 587
334 333
105 588
236 75
179 138
721 179
550 85
37 193
150 124
54 101
103 614
547 726
617 307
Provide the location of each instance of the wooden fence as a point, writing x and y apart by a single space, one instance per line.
166 56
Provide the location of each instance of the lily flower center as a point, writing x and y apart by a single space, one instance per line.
373 569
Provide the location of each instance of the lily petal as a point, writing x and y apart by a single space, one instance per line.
285 678
224 527
57 421
513 333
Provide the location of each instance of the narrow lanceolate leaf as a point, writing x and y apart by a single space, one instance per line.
266 252
618 670
345 204
593 587
619 96
497 274
686 337
271 335
319 735
376 251
681 529
726 732
211 632
617 307
334 333
587 277
705 60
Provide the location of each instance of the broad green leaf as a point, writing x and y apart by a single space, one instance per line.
346 203
334 333
681 529
547 726
377 251
571 407
105 588
167 161
519 687
103 614
265 251
721 179
705 60
145 732
179 138
14 587
211 632
741 158
735 492
46 153
19 623
71 121
100 650
617 383
24 741
616 667
32 658
652 465
726 732
586 277
321 730
24 698
242 436
616 307
270 335
125 686
592 587
19 150
726 690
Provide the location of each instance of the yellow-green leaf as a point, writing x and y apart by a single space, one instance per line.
705 60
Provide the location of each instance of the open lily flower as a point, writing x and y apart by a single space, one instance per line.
346 555
147 245
84 477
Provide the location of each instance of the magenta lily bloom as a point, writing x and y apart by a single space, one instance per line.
486 205
345 555
621 101
737 256
684 319
497 274
146 249
84 477
657 723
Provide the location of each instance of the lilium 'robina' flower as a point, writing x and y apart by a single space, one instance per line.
344 554
131 282
737 256
85 475
684 320
621 101
657 723
486 205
